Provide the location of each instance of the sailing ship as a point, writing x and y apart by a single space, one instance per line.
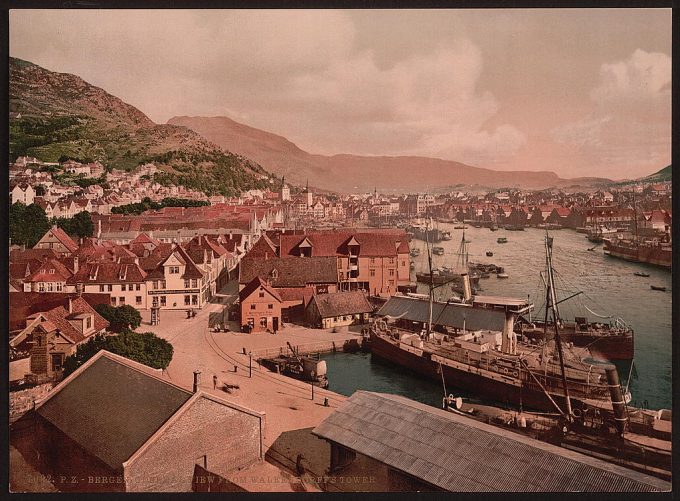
492 364
655 251
445 275
610 339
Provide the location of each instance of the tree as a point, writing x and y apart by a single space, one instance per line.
145 348
120 318
80 225
27 224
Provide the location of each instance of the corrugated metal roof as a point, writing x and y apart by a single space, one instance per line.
449 315
457 453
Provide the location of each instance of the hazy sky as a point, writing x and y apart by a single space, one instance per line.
578 92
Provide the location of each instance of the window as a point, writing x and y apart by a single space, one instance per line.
391 272
372 260
121 301
194 282
263 321
60 287
101 288
51 271
163 286
88 322
194 299
270 306
187 300
138 300
122 287
41 286
261 293
252 306
186 283
110 287
155 284
113 301
372 272
138 287
403 263
50 287
174 270
163 302
391 260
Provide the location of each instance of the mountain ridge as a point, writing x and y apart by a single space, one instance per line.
348 172
62 115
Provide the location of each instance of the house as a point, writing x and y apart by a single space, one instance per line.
126 283
52 335
559 215
375 261
137 432
58 240
338 309
410 446
260 306
24 193
49 276
294 280
176 282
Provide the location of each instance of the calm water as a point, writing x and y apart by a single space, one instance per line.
609 288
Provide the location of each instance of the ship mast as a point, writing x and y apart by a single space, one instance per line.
429 262
553 305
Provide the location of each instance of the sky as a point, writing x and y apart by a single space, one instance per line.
580 92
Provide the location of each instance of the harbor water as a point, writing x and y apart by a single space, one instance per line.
609 290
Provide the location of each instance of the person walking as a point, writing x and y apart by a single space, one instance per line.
214 382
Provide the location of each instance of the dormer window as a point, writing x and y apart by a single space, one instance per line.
51 271
275 273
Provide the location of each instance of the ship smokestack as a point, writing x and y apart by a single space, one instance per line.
618 403
197 380
467 289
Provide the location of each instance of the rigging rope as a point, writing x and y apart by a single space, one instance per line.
597 315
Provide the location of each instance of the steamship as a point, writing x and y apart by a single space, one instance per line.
448 342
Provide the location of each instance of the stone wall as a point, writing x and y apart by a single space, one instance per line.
229 439
20 402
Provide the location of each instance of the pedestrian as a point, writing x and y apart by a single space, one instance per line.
214 382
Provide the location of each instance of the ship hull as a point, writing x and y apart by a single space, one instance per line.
640 254
522 394
601 346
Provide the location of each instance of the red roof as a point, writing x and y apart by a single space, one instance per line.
50 270
59 318
63 238
108 273
334 243
23 304
254 285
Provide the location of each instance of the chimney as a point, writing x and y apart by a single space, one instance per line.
75 264
197 380
70 305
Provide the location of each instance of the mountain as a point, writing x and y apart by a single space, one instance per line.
61 115
664 174
361 173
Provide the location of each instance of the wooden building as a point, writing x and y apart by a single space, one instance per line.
338 309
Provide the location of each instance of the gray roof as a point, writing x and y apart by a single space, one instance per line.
457 453
342 303
450 315
291 271
111 409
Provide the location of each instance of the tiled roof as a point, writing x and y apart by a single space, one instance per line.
63 238
50 270
291 271
190 268
112 408
254 285
458 453
17 255
334 243
59 318
23 304
342 303
108 273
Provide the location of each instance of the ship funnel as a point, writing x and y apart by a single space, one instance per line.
618 403
467 289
